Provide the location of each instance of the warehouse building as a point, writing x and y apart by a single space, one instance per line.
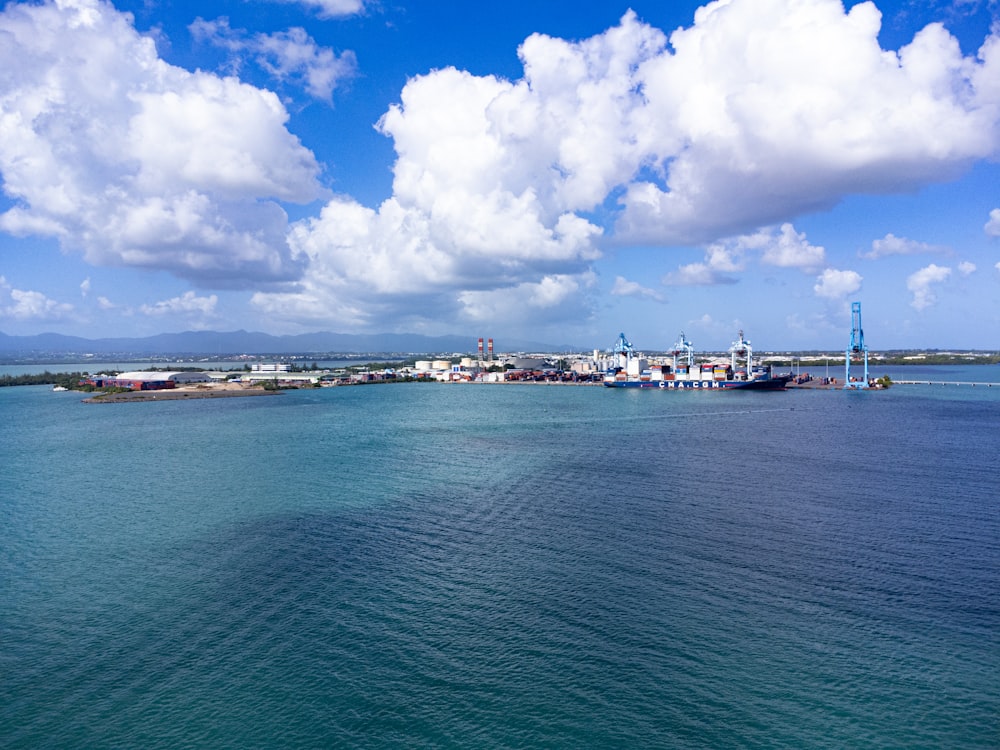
153 381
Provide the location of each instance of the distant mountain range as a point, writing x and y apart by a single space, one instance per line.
214 343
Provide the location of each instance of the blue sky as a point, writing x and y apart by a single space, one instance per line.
550 171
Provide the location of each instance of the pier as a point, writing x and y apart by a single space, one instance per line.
943 382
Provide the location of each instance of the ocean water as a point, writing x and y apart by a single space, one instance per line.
502 566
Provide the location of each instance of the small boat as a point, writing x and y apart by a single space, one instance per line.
59 389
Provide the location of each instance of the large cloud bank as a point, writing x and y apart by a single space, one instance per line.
768 108
504 191
761 111
135 162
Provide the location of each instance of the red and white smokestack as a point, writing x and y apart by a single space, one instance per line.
490 345
480 348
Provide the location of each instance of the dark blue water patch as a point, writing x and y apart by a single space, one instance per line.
391 627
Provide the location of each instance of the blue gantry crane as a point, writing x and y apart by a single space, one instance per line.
683 348
623 351
857 347
742 348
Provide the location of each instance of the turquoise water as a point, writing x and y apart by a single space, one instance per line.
501 566
933 373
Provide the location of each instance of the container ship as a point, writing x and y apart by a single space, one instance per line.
629 370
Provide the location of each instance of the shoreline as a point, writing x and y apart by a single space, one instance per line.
180 394
175 394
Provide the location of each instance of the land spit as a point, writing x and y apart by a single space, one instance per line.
176 394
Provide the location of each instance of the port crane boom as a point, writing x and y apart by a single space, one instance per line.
857 347
623 351
684 348
742 348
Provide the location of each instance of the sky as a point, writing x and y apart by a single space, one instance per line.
547 171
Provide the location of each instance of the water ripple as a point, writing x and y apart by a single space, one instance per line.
505 567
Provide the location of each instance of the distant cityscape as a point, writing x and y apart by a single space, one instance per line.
311 360
226 374
203 347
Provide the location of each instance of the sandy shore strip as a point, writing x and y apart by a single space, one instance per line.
176 394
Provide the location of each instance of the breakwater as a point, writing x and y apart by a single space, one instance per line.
944 382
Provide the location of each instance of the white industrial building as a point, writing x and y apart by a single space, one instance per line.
147 380
177 378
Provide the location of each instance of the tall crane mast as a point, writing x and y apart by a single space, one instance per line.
742 348
684 348
623 351
857 347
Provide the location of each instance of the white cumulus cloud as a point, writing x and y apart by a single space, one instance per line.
771 246
625 288
288 55
186 304
922 282
330 8
837 284
765 109
462 223
555 297
893 245
992 227
136 162
785 248
698 274
24 305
